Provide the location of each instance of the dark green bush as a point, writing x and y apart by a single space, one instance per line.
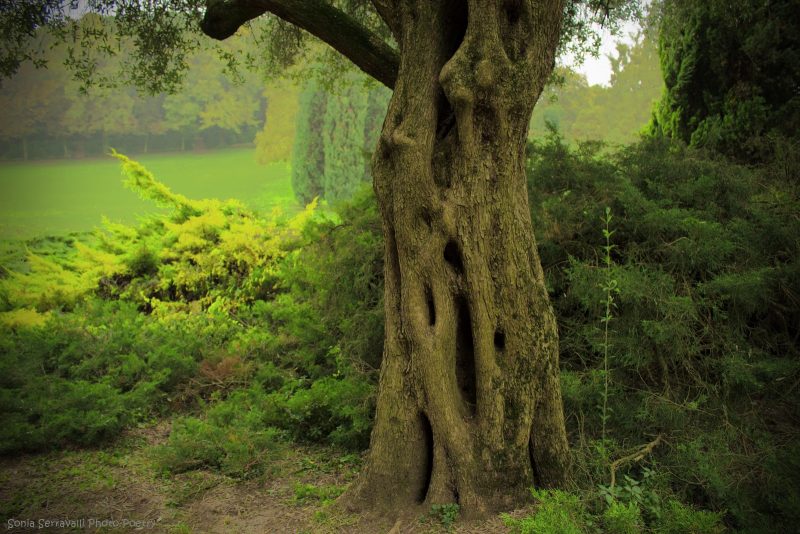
240 434
331 410
54 411
702 342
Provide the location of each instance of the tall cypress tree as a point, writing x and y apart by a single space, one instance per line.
335 137
308 155
345 119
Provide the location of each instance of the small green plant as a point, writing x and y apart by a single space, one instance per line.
621 518
181 528
640 493
446 514
679 518
610 286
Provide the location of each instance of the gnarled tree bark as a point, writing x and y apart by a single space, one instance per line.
469 405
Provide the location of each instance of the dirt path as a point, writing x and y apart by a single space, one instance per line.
120 486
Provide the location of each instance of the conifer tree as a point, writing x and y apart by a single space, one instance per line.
308 155
343 142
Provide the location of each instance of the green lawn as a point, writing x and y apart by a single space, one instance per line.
58 197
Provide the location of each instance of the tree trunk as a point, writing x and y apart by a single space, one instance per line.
469 404
25 148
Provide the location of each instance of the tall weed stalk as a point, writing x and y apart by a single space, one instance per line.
610 287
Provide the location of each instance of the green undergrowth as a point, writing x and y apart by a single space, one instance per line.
678 320
560 512
250 328
700 340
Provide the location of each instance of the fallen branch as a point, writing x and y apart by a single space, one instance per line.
634 457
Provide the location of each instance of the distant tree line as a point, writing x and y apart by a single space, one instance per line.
49 113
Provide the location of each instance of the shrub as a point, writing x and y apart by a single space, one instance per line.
557 512
446 514
331 410
704 331
621 518
237 448
55 412
193 306
679 519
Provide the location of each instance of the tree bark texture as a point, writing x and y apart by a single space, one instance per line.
469 405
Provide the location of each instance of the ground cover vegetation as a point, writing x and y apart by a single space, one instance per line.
673 272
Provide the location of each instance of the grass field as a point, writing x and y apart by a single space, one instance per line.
59 197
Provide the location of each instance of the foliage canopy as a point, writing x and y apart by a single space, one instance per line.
164 33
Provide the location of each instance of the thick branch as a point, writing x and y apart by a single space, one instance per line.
349 37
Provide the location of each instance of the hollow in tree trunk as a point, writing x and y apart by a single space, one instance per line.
469 405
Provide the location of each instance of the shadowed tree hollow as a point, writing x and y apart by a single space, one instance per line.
469 407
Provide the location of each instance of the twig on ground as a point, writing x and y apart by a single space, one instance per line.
643 451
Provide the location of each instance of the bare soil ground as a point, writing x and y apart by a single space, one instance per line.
120 483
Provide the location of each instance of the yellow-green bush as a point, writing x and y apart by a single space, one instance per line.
185 308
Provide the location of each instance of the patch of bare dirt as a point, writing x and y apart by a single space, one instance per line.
119 483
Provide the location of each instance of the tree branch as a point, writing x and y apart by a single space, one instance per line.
336 28
387 11
634 457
